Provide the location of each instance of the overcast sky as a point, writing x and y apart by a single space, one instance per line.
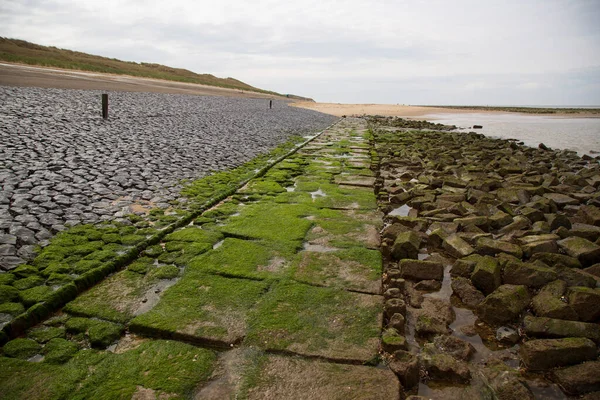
521 52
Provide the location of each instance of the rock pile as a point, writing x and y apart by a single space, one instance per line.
520 228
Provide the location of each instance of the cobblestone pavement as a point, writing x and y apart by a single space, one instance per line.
62 164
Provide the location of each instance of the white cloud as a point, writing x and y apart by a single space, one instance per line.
466 48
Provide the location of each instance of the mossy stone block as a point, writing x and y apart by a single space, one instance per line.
59 351
21 348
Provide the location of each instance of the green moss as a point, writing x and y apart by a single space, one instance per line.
57 320
198 304
270 221
84 266
21 348
11 308
102 255
86 248
169 258
103 333
115 299
322 321
77 325
29 282
35 295
127 230
239 258
164 366
153 251
164 272
132 240
24 271
264 186
194 234
6 279
59 351
203 220
43 334
141 265
56 268
111 238
170 369
352 268
59 279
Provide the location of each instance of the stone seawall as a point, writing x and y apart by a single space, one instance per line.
61 164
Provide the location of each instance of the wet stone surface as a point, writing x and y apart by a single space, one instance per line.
61 164
516 232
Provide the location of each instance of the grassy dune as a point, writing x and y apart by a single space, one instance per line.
20 51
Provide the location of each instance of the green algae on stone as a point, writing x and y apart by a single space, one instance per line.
35 295
194 234
21 348
141 265
159 368
115 299
270 221
317 321
8 294
354 268
203 307
28 283
6 278
11 308
44 334
164 272
59 351
240 258
103 333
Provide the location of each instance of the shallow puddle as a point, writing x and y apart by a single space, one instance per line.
218 244
318 193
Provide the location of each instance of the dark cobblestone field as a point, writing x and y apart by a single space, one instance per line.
62 164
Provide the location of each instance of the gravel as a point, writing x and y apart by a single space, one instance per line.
62 164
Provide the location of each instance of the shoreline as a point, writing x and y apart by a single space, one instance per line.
411 112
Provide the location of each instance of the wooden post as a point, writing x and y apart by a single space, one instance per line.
270 104
105 105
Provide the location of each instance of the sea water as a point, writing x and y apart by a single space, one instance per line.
579 134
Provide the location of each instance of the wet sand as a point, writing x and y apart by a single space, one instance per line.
34 76
410 112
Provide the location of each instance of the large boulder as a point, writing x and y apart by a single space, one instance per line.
579 379
588 253
505 382
457 247
551 302
504 304
421 270
544 354
487 275
586 302
406 245
560 328
466 292
491 247
529 274
406 367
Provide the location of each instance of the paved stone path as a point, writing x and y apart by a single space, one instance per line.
61 164
274 293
